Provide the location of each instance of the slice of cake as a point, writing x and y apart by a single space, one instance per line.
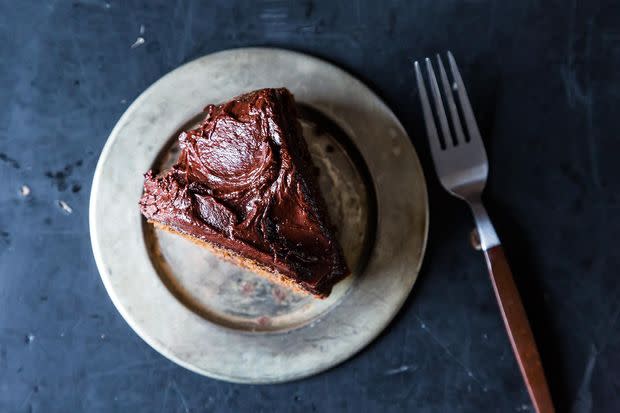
246 188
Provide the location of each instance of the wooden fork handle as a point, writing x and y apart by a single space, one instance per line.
519 331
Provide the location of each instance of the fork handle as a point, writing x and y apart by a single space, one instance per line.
519 331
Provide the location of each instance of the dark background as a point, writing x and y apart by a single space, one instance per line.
544 81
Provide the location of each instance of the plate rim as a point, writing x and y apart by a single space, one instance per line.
105 276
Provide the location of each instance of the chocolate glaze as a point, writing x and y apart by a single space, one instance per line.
245 182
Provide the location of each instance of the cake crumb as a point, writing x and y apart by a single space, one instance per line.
278 294
247 288
263 321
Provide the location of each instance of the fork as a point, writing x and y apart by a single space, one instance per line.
462 167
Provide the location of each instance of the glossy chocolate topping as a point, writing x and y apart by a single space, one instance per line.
245 182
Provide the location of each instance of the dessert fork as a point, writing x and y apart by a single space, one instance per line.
462 167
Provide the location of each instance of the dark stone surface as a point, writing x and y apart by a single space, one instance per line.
544 80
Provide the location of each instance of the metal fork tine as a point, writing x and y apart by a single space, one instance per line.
431 129
468 113
441 112
454 114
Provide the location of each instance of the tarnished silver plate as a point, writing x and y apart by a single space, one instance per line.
224 322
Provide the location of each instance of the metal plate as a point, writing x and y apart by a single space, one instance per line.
230 296
214 318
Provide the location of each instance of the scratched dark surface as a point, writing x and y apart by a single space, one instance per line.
545 83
